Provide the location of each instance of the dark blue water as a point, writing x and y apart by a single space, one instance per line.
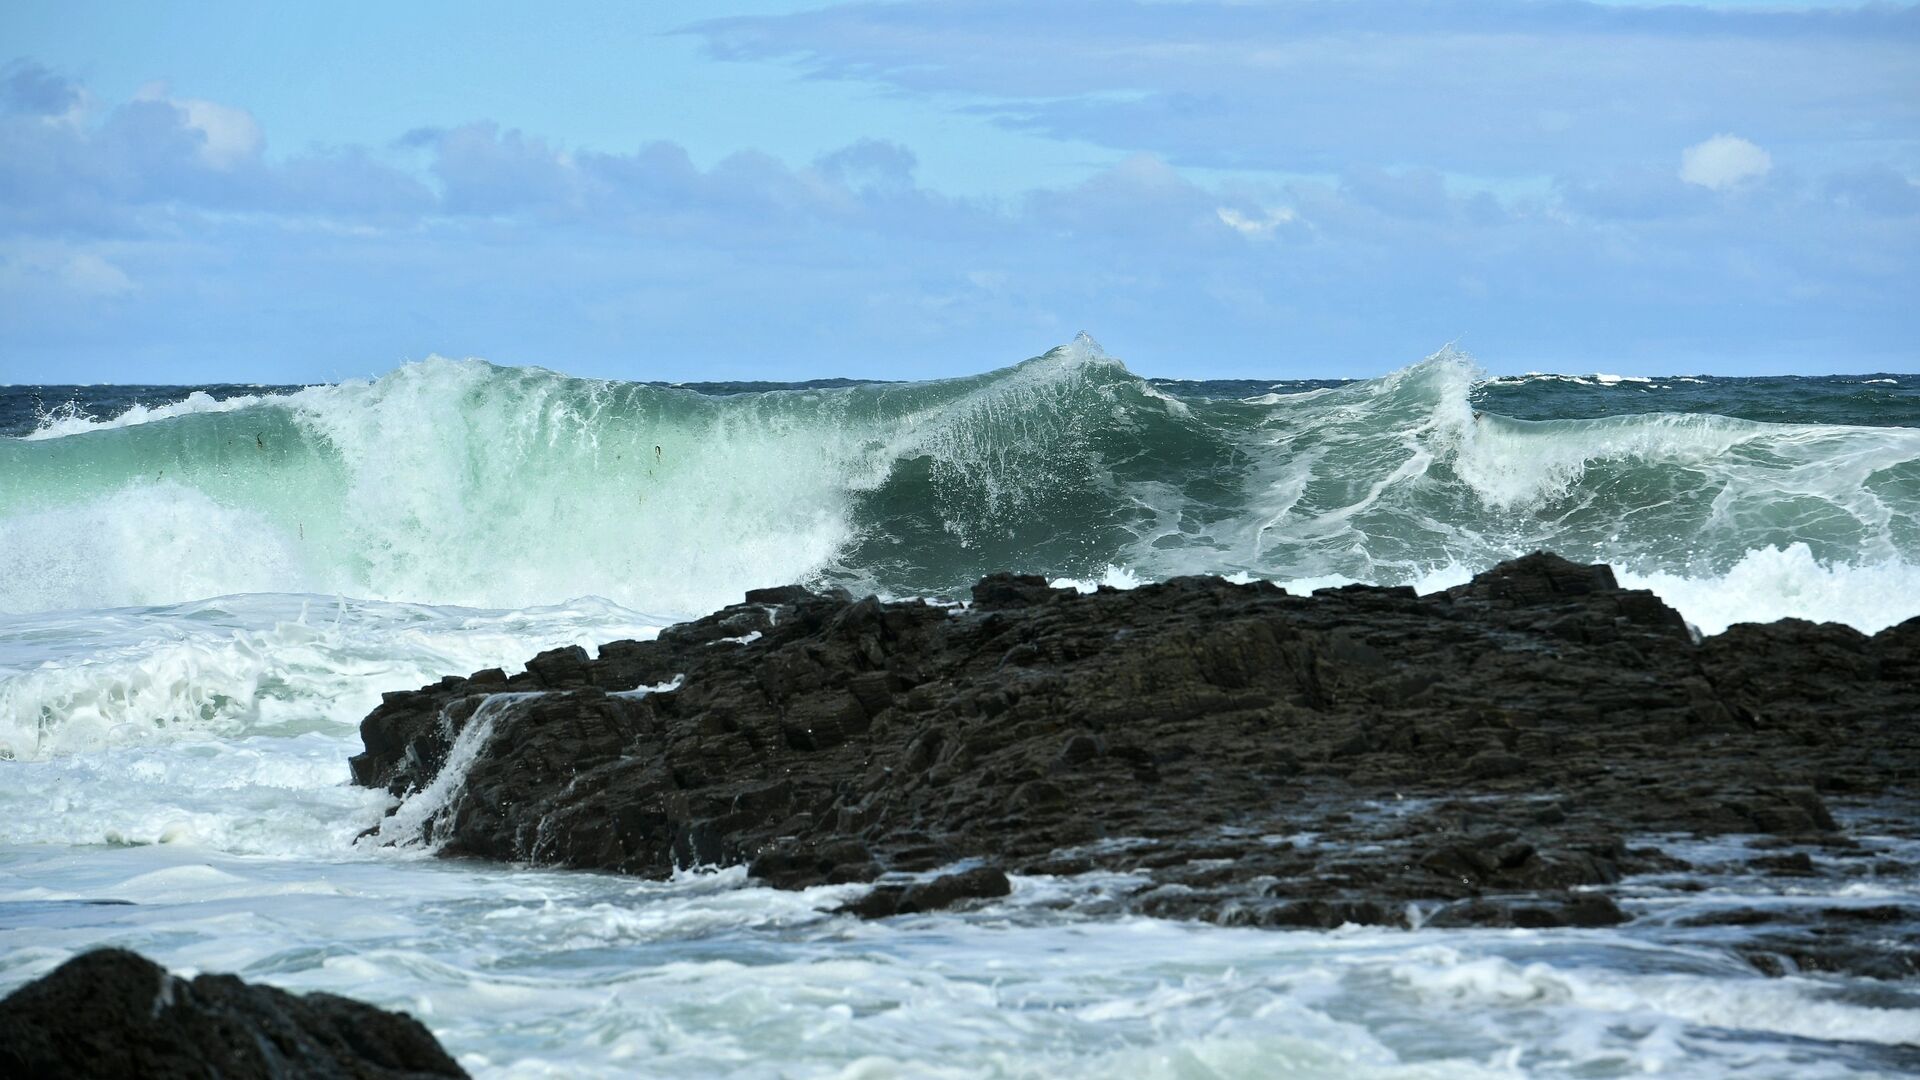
1879 398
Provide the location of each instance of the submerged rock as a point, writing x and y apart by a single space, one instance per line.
1363 754
114 1013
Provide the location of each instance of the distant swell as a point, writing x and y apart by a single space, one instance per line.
452 482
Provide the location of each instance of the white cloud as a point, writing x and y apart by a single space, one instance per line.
228 135
1723 161
1257 226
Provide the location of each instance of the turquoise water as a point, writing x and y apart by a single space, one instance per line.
459 482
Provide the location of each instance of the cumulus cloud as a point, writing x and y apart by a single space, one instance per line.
228 135
483 169
85 170
1723 161
479 238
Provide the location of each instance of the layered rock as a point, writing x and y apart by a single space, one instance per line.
113 1013
1257 757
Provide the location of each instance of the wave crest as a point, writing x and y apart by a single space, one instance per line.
461 482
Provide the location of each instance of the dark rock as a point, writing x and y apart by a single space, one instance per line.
997 591
559 669
779 594
1323 915
1585 910
979 883
112 1014
1543 711
1732 917
1812 951
1798 864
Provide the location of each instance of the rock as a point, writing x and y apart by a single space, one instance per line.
1539 713
1584 910
997 591
1798 864
1322 915
111 1013
981 882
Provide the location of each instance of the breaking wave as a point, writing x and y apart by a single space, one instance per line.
458 482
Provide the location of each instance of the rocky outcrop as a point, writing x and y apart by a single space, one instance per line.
113 1013
1481 754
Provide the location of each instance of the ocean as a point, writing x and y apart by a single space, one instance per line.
203 590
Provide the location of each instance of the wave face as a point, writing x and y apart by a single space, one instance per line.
458 482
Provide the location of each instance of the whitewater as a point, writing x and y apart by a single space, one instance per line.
203 590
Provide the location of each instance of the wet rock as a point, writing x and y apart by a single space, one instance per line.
1818 951
1324 915
1540 712
113 1013
1584 910
997 591
979 883
1798 864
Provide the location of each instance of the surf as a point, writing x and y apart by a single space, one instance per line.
457 482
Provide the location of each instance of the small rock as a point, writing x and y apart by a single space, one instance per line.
981 882
111 1013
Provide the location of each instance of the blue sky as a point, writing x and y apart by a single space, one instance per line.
932 187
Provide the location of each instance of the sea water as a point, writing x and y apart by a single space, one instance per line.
202 590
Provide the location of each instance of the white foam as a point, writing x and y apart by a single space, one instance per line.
467 484
275 796
70 420
1753 1005
1763 585
73 682
1113 577
1540 376
1515 464
525 973
1775 583
674 683
1296 397
151 542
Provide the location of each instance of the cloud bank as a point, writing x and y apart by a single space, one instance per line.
1272 190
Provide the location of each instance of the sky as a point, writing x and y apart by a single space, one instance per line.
1211 188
